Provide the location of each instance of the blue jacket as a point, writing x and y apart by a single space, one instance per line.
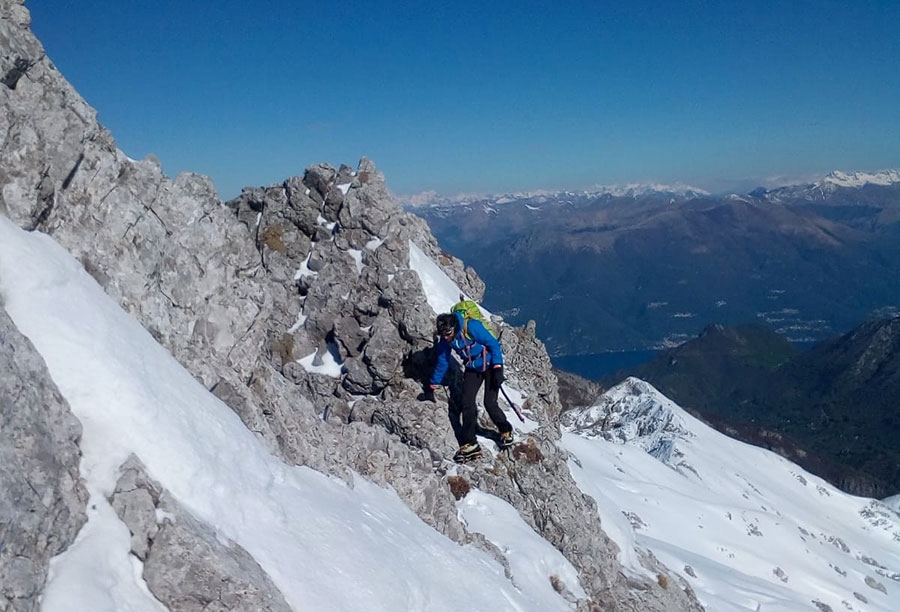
479 351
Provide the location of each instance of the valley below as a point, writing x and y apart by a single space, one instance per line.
603 273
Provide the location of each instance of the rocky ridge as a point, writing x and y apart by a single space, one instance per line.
831 184
632 412
315 267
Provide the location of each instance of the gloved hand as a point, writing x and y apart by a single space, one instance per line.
497 377
427 394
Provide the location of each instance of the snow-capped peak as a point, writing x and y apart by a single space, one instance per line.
723 513
819 188
540 195
639 189
858 179
635 413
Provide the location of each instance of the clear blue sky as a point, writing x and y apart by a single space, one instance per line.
489 96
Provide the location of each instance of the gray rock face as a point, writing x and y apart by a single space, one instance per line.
187 566
42 505
239 292
575 391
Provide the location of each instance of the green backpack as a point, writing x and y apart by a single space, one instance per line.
470 310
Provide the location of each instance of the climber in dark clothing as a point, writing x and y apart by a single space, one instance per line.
482 360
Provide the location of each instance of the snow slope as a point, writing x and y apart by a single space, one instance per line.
746 528
327 546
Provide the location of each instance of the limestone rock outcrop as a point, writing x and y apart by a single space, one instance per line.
296 305
42 505
187 566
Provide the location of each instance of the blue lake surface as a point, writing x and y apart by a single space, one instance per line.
597 365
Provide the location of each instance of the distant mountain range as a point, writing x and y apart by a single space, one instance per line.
832 409
828 183
433 199
647 267
738 283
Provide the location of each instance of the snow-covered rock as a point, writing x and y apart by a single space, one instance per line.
744 527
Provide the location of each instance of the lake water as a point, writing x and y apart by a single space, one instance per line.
600 364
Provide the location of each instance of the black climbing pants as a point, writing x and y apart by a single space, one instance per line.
472 381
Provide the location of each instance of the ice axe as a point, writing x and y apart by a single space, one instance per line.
512 404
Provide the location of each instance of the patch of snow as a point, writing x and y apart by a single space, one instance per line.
304 269
329 225
162 515
329 366
301 319
533 560
98 568
357 259
442 293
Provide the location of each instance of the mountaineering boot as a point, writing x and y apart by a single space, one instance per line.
467 453
506 440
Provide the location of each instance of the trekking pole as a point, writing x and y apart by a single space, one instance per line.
512 404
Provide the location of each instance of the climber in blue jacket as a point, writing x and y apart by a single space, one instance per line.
482 360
